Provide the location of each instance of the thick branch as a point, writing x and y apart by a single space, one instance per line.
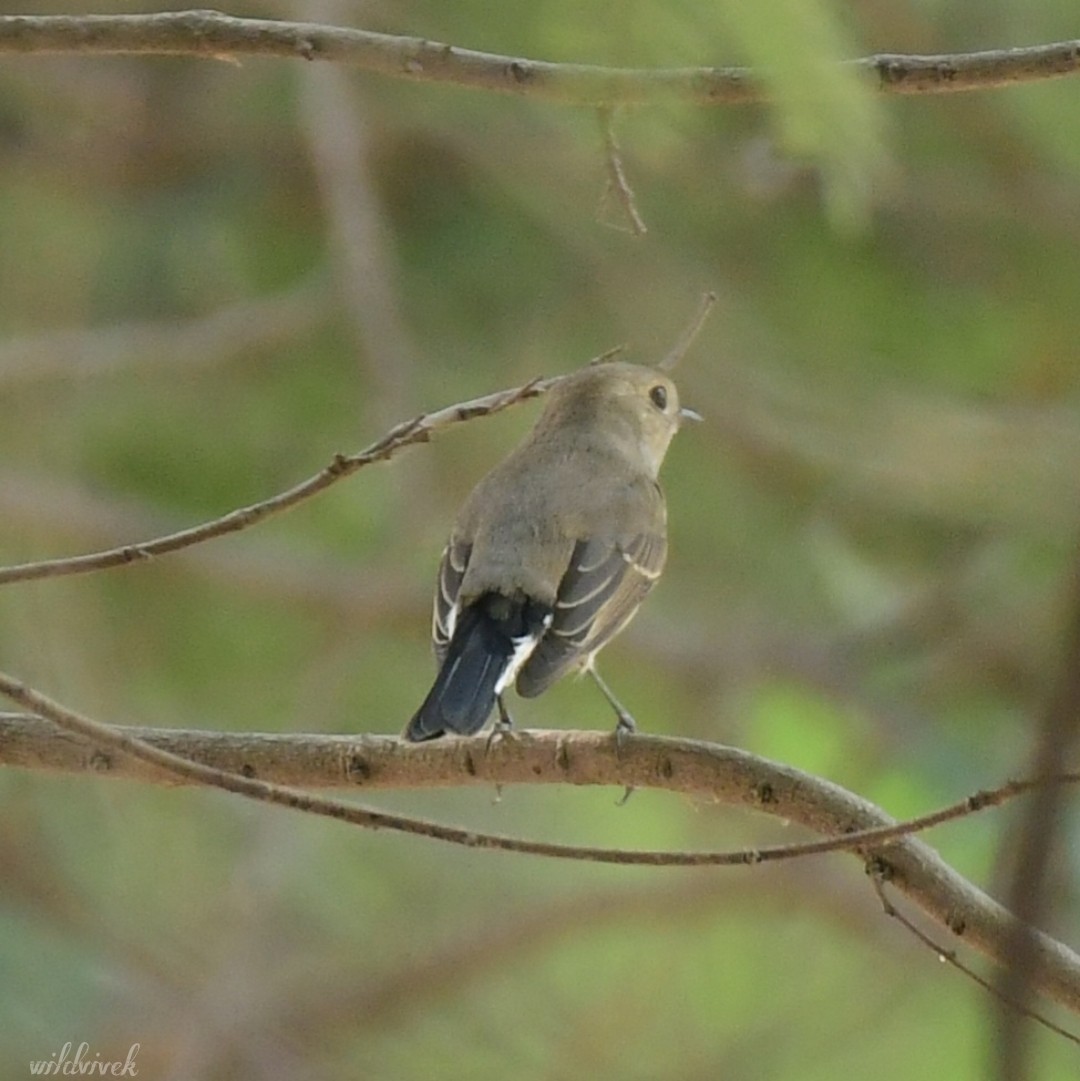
210 34
721 774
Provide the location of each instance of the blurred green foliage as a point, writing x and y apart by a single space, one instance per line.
870 535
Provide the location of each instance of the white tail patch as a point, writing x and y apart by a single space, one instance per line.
523 650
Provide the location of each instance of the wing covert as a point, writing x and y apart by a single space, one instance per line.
599 593
455 559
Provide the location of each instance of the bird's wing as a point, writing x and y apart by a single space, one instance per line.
601 589
455 559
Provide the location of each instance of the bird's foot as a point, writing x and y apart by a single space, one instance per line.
624 726
503 727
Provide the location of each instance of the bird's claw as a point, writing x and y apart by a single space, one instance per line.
503 727
625 726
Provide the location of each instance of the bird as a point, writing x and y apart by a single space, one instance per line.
554 550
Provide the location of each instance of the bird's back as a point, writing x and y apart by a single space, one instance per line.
562 494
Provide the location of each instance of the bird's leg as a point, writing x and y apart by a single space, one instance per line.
502 729
625 724
504 726
505 723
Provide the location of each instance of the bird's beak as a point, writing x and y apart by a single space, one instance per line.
685 413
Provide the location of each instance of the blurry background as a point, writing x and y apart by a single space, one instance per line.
215 276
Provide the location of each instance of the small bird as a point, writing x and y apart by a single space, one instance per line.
554 550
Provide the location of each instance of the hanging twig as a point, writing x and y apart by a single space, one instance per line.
617 184
949 957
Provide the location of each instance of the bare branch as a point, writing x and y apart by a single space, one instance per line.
418 430
689 335
720 773
217 36
383 762
263 567
617 184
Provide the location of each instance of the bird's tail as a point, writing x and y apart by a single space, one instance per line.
493 637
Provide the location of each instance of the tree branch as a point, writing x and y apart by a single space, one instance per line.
418 430
720 773
1022 1009
211 34
383 762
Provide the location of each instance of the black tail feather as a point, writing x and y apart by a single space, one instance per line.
479 652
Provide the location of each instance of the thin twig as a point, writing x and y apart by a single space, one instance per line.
264 567
591 758
617 183
689 335
950 957
224 37
418 430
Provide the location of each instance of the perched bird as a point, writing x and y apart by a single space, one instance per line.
554 550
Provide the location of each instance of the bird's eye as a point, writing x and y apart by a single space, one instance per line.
658 396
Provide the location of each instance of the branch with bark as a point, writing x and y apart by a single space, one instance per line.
259 766
217 36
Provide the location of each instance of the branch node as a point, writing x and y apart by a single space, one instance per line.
608 354
880 870
467 412
357 769
562 755
520 72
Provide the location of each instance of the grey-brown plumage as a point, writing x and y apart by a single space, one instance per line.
555 548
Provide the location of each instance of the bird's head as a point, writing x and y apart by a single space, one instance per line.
629 404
